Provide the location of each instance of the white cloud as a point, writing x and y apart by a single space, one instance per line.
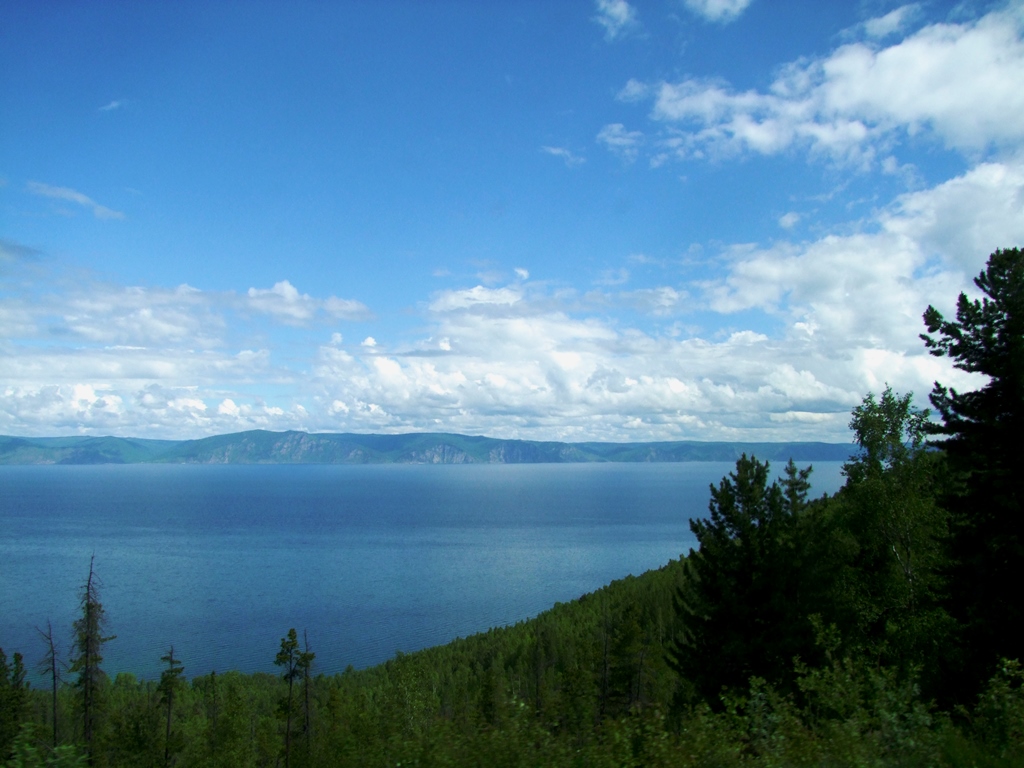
779 343
965 218
955 82
570 159
479 296
73 196
633 90
624 143
616 16
111 106
718 10
285 303
892 22
789 220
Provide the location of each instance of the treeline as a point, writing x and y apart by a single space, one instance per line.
878 626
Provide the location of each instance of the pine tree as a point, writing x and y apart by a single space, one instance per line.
169 680
52 666
13 700
982 432
88 645
737 607
305 665
291 659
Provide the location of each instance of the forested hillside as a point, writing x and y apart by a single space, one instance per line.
262 447
879 626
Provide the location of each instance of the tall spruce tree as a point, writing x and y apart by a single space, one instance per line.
88 648
13 700
52 667
305 665
289 658
169 681
982 435
739 608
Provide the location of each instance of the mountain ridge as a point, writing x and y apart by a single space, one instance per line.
294 447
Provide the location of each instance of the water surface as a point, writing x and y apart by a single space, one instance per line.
222 560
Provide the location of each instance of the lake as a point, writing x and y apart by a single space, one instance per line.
222 560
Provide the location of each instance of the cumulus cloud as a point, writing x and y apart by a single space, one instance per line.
73 196
285 303
722 11
954 82
779 343
617 17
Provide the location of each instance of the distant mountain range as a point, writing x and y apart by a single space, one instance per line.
262 447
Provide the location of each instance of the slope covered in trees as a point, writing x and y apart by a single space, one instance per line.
262 447
873 627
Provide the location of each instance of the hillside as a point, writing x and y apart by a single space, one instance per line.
262 447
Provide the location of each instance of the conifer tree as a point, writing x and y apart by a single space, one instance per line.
305 664
13 700
737 609
296 665
88 646
169 679
982 431
52 666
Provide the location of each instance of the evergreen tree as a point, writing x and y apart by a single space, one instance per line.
296 666
739 607
52 666
13 700
305 664
88 646
169 680
982 432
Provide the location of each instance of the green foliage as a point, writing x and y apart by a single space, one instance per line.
888 584
26 754
13 700
740 606
170 681
982 439
88 647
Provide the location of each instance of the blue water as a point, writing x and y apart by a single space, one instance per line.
222 560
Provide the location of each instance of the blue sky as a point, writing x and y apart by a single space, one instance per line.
610 220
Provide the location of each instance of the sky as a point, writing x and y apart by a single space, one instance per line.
589 220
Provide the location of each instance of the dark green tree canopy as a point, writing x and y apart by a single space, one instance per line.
983 432
739 609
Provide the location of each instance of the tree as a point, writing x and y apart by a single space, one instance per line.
981 435
296 665
52 666
88 645
740 608
896 532
13 700
169 680
305 664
